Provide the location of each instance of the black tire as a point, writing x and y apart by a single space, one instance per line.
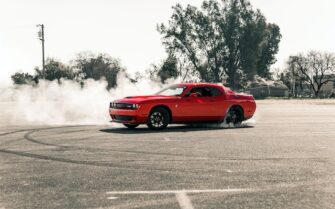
234 115
158 118
131 126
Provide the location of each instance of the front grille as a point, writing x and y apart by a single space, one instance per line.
121 106
123 117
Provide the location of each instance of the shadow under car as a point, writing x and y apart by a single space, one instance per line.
173 128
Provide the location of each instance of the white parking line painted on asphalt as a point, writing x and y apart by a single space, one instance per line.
112 198
178 191
181 195
184 201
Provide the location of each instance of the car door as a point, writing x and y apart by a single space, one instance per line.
200 108
218 103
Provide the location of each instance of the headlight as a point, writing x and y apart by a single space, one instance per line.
124 106
135 106
112 105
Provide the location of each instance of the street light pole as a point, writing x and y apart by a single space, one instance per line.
41 37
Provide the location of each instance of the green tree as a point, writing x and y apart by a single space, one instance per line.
55 70
314 69
22 78
270 47
227 39
166 70
98 67
293 78
169 69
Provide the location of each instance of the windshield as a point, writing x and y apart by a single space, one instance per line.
172 91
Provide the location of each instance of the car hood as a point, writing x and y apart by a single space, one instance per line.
138 99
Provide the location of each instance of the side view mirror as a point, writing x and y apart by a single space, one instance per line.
193 95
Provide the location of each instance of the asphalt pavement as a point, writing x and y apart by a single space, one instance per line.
283 158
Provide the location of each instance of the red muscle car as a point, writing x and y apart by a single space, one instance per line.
183 103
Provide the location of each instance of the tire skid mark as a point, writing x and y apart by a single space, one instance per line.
119 165
40 129
81 162
13 132
10 133
28 137
107 164
24 130
31 139
73 131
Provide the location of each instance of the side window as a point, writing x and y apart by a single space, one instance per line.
197 90
215 92
204 92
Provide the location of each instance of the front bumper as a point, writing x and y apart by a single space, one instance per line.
127 116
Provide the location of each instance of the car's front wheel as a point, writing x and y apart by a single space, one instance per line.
131 126
158 119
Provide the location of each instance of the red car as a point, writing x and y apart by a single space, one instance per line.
183 103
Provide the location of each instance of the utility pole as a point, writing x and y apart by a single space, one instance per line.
41 37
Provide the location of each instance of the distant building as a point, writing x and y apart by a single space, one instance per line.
262 88
268 91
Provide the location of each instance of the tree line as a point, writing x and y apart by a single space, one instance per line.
84 66
223 41
308 73
226 41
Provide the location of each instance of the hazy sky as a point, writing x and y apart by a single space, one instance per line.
126 29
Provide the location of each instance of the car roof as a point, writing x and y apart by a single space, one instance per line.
200 84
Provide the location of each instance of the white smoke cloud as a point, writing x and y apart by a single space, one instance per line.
51 103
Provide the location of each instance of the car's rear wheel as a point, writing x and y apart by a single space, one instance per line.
234 116
131 126
158 119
